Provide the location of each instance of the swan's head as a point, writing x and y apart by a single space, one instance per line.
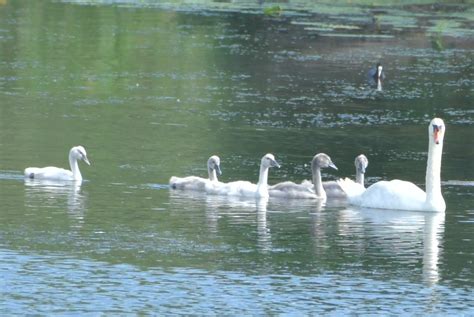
436 130
214 163
79 153
269 161
361 162
322 160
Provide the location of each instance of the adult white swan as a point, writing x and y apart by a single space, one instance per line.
245 188
306 189
55 173
195 182
402 195
334 190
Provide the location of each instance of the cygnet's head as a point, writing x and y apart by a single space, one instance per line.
361 162
214 163
436 130
79 153
378 74
268 160
322 160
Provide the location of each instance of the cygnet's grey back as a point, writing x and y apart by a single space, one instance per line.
332 188
196 182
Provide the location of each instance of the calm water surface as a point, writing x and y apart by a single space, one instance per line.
152 92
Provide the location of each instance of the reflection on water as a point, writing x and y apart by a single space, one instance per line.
379 85
240 210
400 234
432 241
57 194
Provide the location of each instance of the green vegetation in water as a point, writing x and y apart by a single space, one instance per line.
448 27
273 10
376 21
437 36
396 19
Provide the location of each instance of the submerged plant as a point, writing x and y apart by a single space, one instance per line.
274 10
437 36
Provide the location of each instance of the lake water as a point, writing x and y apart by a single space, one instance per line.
152 91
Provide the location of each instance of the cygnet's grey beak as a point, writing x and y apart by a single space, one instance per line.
218 170
362 169
275 164
331 164
84 158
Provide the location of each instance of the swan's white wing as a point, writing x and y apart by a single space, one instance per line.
308 184
237 188
188 183
351 188
49 172
395 194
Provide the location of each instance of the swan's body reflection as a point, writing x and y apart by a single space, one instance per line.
379 85
238 210
53 193
400 234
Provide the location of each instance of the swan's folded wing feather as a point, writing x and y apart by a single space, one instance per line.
188 183
237 188
49 172
395 194
291 190
333 190
351 188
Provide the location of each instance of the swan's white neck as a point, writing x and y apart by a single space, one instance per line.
212 174
317 183
262 185
360 178
433 173
76 173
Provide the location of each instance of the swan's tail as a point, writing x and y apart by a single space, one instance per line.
351 188
176 182
30 172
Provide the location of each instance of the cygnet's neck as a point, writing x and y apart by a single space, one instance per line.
433 172
76 173
212 174
360 177
317 183
263 179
